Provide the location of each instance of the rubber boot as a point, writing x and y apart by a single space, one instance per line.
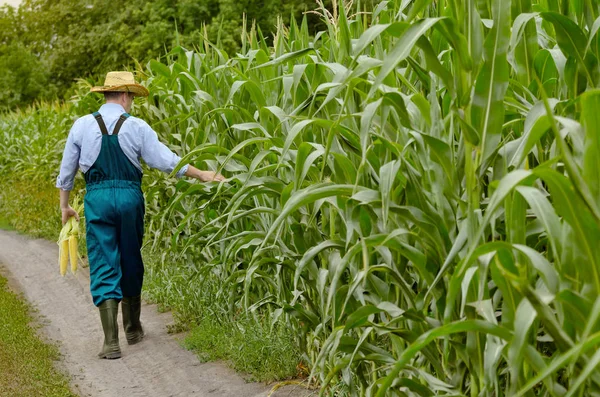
108 315
131 307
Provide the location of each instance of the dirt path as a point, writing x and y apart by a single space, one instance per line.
158 366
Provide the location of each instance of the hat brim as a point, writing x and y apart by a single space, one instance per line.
135 89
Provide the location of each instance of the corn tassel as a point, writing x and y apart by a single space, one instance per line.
73 252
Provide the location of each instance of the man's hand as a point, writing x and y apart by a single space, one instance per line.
67 213
203 176
209 176
65 208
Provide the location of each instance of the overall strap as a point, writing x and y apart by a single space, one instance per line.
101 123
120 122
103 129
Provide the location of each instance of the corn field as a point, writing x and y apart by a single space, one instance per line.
415 191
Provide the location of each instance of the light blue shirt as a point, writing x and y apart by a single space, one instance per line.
136 138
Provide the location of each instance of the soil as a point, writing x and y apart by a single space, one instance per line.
158 366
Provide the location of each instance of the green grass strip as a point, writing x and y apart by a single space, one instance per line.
26 362
5 225
251 347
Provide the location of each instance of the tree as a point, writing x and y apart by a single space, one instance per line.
72 39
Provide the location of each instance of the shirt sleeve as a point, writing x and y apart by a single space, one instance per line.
70 162
157 155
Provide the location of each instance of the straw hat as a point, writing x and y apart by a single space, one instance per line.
121 82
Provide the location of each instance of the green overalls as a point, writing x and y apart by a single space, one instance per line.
114 218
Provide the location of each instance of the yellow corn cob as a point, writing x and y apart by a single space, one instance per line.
73 252
67 242
64 256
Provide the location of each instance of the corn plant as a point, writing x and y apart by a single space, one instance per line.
413 189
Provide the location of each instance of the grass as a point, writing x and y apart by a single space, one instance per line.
249 345
5 224
26 362
30 208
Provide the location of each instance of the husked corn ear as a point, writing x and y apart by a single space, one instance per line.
67 241
73 252
64 256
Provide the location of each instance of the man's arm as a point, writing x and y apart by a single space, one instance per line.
68 169
158 155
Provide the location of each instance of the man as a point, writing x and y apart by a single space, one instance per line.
108 145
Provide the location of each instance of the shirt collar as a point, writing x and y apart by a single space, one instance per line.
112 108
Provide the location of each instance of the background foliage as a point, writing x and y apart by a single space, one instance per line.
46 45
412 191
